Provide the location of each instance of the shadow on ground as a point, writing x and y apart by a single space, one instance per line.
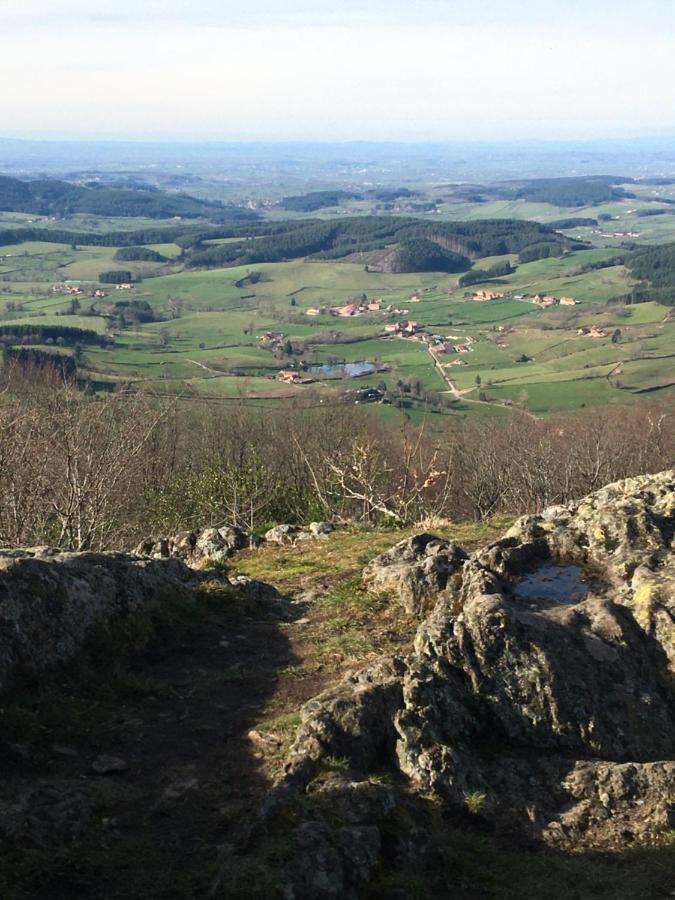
176 716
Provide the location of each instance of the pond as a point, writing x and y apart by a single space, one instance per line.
344 369
557 584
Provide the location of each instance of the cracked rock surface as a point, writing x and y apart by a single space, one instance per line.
542 684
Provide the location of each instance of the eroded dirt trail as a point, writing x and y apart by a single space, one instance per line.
178 721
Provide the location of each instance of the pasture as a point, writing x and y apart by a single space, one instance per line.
202 337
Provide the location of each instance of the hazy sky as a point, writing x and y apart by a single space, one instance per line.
340 70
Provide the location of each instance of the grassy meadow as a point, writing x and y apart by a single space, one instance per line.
205 340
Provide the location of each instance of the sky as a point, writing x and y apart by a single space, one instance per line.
401 70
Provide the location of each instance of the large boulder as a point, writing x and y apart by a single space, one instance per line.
283 534
51 602
540 691
415 570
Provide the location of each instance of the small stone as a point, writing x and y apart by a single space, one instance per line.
108 765
264 740
64 751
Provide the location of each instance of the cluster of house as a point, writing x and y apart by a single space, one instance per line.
76 290
618 234
446 345
124 286
67 289
437 342
592 331
290 376
271 339
546 300
480 296
351 309
402 328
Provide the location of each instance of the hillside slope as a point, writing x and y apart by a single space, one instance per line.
143 768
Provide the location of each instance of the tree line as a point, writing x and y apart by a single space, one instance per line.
104 471
39 334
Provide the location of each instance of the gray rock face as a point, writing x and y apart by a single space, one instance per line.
542 682
337 860
51 601
318 529
282 534
206 547
199 548
415 571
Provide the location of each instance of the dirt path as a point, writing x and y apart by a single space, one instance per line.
179 720
462 394
199 722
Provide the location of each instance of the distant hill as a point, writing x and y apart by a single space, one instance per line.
316 200
409 240
582 191
48 197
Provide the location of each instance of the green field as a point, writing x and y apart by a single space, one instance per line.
205 337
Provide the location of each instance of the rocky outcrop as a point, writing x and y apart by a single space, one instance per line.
415 571
199 548
206 547
51 601
541 689
289 534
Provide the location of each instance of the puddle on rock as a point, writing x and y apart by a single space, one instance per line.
553 584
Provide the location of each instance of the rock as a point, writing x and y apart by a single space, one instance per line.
542 680
200 548
264 740
320 529
108 765
414 571
287 534
282 534
331 863
51 602
174 793
46 816
64 751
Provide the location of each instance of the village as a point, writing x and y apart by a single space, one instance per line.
404 329
546 301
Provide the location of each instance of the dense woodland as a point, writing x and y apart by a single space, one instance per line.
49 197
580 191
35 333
139 254
424 255
655 267
338 238
307 203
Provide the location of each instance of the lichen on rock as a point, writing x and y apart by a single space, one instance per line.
554 705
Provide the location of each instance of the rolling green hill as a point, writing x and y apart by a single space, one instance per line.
48 197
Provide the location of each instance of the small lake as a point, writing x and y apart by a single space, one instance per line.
557 584
344 370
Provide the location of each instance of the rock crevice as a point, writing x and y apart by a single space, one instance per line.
543 680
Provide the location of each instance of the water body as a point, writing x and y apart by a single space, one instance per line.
344 370
557 584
